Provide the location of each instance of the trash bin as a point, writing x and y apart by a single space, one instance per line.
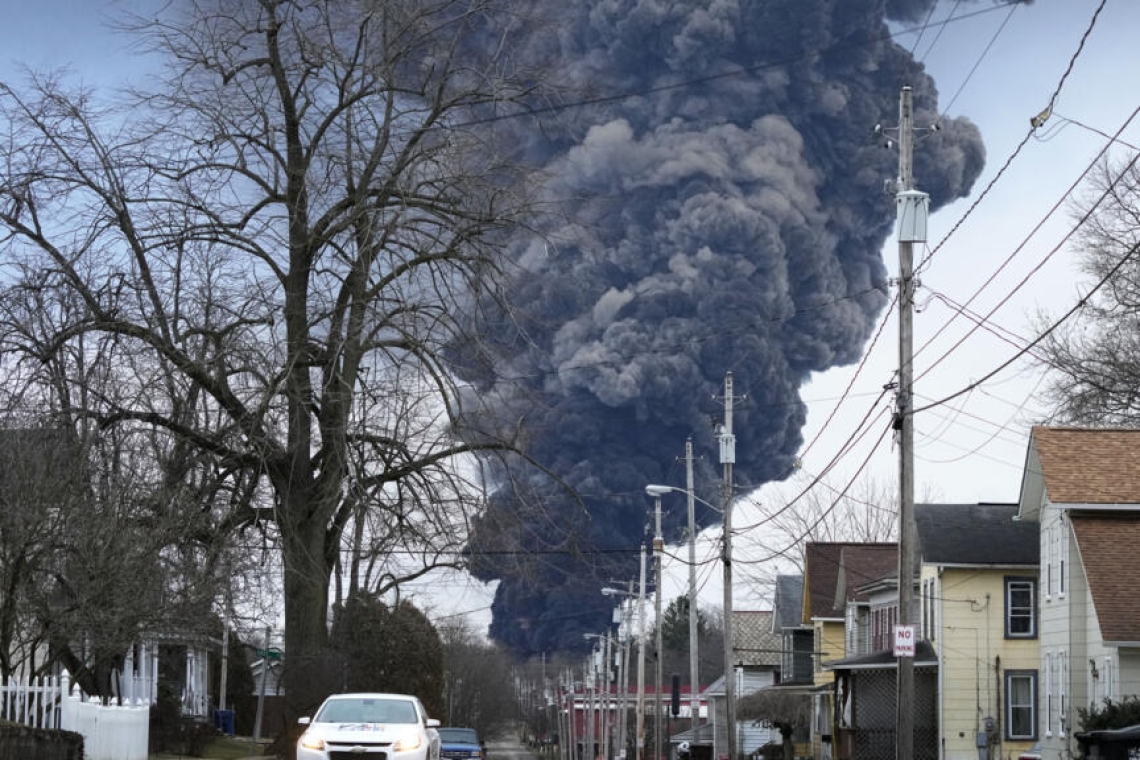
224 721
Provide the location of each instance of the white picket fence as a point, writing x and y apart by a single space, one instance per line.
110 732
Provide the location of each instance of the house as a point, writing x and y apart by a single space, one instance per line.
866 687
1081 489
795 635
756 660
977 594
833 573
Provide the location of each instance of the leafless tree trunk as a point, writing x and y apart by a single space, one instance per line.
280 242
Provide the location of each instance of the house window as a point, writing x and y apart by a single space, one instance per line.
926 609
1047 562
1062 676
1048 693
1021 705
1062 553
1108 684
1020 608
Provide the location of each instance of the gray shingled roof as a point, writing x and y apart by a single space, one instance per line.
975 534
754 643
789 607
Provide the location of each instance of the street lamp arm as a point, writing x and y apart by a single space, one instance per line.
659 490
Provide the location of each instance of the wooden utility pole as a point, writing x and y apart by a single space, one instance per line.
658 551
911 206
694 680
728 458
639 749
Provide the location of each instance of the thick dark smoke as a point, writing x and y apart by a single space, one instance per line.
734 223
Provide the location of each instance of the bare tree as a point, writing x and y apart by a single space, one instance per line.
783 710
473 682
813 510
279 245
1094 360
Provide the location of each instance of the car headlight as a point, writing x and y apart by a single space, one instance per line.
312 742
407 742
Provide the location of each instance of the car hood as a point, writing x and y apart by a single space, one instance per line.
373 733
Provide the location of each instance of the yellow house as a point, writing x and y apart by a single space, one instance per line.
978 586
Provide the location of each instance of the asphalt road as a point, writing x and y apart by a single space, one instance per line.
509 748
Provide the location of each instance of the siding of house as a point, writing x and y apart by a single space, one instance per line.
749 737
829 645
970 640
830 638
1129 660
1064 633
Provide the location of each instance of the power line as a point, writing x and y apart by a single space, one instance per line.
736 72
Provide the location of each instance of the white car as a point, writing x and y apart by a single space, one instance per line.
358 726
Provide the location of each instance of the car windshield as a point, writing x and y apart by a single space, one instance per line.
466 735
367 710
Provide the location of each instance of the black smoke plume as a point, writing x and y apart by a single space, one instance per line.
726 214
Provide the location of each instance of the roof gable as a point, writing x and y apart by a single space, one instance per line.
834 571
975 534
1107 545
1087 465
788 603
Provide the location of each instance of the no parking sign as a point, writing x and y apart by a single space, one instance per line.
904 641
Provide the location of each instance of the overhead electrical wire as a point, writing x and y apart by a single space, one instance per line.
1021 246
736 72
1044 334
1033 125
977 202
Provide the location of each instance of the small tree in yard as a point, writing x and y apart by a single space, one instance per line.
387 648
785 711
271 257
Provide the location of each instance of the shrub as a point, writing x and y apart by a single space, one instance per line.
1110 714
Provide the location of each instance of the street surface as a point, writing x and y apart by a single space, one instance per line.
510 748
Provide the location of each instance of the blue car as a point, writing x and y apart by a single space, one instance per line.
460 744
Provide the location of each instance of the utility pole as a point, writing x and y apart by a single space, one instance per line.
658 550
591 705
728 458
572 715
623 724
607 697
639 750
694 690
911 207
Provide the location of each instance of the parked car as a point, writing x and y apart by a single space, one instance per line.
389 726
461 744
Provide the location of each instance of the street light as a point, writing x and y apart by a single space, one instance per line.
658 491
614 649
658 550
639 744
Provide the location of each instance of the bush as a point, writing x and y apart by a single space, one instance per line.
1111 714
172 732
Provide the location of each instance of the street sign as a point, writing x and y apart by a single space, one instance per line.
904 641
273 654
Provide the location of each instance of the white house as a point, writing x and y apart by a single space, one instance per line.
1082 488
